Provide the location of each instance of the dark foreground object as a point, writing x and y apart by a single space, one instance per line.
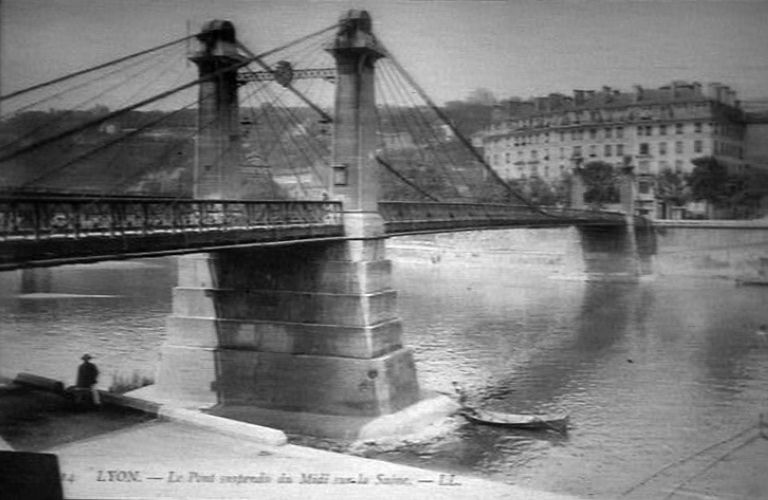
558 422
29 476
36 420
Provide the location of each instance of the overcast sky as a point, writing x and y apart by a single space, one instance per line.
512 47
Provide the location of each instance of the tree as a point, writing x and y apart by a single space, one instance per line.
709 181
540 192
600 181
671 188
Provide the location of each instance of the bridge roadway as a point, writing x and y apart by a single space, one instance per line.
49 230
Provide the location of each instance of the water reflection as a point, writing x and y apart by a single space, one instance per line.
648 371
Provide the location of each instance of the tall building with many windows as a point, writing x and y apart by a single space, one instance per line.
657 129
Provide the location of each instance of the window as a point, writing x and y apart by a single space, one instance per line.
608 132
341 173
619 149
644 149
644 187
679 147
640 130
649 130
697 127
662 148
678 166
593 150
697 146
619 132
593 133
577 151
507 157
662 130
679 128
607 150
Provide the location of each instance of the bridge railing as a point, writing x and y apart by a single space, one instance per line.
410 217
44 217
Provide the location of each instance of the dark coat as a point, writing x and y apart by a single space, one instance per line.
87 374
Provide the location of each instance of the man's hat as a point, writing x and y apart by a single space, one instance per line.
86 357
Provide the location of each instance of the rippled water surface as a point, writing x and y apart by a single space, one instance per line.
649 372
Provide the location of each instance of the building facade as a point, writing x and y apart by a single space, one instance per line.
652 129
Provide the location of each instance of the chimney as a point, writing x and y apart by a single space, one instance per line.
555 101
578 97
696 89
713 91
638 92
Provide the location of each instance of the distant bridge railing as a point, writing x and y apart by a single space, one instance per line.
68 228
420 217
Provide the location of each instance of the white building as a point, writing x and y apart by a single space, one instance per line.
657 129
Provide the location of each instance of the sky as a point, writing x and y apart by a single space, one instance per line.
519 48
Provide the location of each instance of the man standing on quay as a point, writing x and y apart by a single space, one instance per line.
87 375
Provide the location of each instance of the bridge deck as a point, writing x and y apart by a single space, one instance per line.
54 230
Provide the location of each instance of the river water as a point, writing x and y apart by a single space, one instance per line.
650 372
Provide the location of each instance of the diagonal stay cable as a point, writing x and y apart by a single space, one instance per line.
94 68
102 147
397 174
122 111
258 60
420 122
393 117
458 134
66 114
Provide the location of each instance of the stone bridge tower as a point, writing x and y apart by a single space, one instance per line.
303 337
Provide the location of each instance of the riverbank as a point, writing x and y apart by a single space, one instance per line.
121 452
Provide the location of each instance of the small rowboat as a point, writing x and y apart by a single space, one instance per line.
557 422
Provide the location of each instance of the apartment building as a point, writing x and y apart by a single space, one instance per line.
655 129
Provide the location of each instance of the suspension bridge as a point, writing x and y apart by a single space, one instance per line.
281 174
252 159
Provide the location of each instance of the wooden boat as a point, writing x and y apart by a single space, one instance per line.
557 422
751 281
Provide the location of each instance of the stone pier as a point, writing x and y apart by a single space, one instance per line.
306 338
